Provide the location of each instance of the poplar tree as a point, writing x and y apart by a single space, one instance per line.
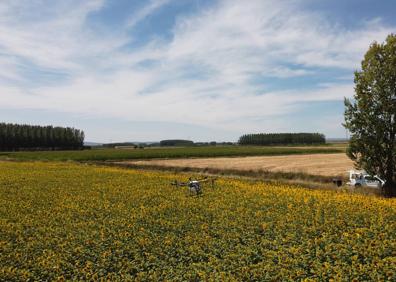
370 115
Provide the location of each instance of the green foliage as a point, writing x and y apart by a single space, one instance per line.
282 139
370 115
119 144
69 222
152 153
31 137
176 142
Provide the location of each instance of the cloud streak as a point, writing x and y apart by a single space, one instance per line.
146 11
215 71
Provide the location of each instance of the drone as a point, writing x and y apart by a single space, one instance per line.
194 185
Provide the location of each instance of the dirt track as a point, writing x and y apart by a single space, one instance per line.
317 164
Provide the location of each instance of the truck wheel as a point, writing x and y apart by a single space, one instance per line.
357 185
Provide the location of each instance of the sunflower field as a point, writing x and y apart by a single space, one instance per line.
67 221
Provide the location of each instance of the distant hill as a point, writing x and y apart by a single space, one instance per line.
92 144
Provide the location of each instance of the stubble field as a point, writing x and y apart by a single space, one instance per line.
314 164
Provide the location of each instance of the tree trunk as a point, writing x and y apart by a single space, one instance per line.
389 189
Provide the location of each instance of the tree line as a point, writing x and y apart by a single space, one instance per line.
176 142
282 139
14 137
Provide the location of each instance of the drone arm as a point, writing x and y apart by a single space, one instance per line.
205 179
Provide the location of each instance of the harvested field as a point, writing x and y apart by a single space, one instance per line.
317 164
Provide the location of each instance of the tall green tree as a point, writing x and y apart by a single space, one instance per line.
370 115
14 137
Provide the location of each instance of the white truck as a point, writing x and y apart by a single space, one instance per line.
362 179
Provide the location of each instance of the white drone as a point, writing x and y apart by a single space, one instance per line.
194 185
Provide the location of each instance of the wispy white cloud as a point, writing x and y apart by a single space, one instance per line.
146 11
209 73
8 69
53 35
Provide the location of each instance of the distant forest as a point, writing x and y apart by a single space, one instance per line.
282 139
15 137
176 142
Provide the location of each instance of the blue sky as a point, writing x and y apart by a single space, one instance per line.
194 69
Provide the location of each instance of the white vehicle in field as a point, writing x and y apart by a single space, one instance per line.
362 179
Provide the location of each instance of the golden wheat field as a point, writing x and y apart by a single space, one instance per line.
317 164
61 221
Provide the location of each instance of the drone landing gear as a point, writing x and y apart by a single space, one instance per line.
194 186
